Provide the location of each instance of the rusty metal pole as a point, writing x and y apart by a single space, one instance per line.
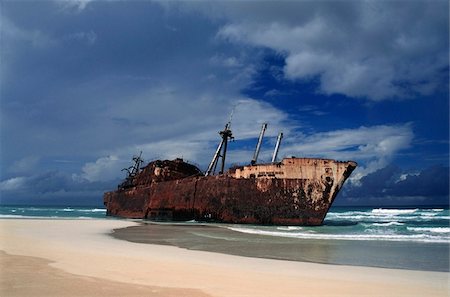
214 159
224 153
225 134
258 145
277 147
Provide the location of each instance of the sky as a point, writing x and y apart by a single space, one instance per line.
85 85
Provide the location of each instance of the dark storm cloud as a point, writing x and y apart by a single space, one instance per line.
53 188
394 186
94 82
113 70
433 181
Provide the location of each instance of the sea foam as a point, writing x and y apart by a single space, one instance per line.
430 229
358 237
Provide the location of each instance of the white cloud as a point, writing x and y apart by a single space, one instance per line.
249 114
376 50
373 147
73 5
190 132
103 169
15 183
405 176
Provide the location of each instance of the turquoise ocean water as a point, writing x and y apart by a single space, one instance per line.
341 223
51 212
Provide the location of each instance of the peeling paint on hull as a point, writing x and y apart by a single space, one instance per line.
250 194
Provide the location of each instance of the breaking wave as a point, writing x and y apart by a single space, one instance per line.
383 224
383 211
359 237
388 224
428 229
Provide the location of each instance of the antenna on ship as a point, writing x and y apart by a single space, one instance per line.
258 145
277 147
231 116
221 151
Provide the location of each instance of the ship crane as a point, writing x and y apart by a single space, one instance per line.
221 151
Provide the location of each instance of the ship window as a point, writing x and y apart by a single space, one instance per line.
252 175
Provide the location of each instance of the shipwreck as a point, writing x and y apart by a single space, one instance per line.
293 191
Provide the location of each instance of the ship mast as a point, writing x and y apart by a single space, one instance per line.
221 151
258 145
277 147
132 171
137 164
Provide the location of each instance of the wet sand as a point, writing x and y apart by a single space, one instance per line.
217 238
80 258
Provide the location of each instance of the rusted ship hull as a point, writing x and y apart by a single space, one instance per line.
296 191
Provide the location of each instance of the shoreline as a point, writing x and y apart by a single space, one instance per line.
84 248
220 238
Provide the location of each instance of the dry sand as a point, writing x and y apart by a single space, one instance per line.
79 258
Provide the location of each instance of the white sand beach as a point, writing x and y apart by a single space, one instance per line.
78 258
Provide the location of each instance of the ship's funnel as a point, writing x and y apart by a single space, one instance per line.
277 147
258 145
